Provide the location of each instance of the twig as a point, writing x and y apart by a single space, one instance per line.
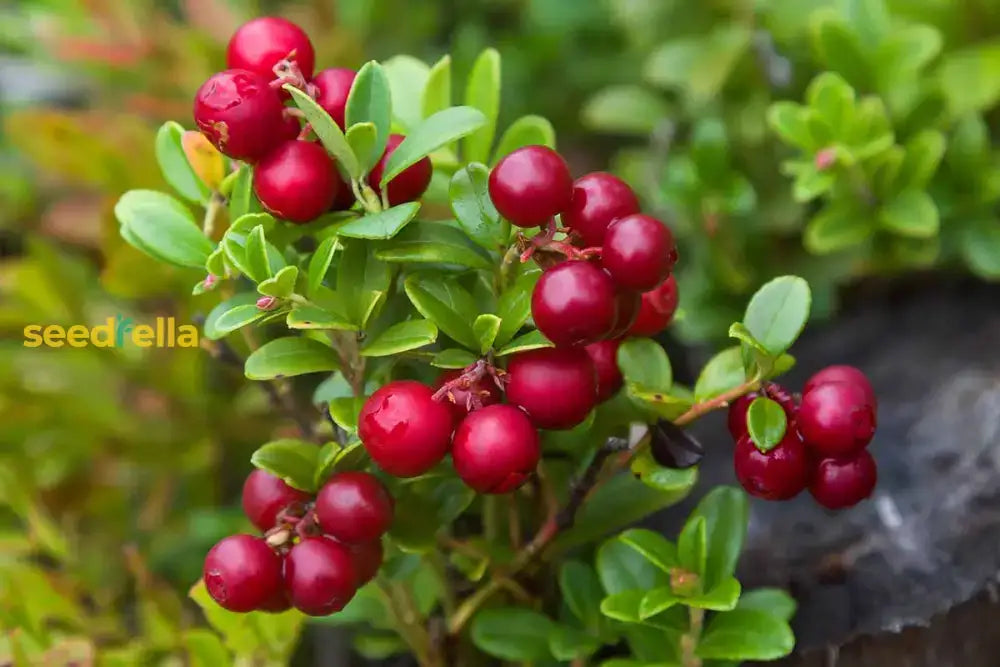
689 641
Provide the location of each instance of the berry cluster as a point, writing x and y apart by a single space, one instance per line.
243 111
825 443
620 282
315 552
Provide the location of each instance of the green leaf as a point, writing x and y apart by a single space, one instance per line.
439 130
514 305
319 264
725 511
773 601
205 649
177 171
329 133
837 227
923 155
567 643
722 597
692 545
645 468
344 411
789 121
470 202
723 372
378 645
232 319
582 592
282 284
644 363
745 635
778 312
533 340
287 357
292 460
485 327
839 49
619 502
314 317
255 253
382 225
242 201
655 548
911 213
453 358
528 130
240 299
334 458
512 633
833 99
408 77
623 606
437 93
968 77
767 423
656 601
632 110
370 101
361 138
482 92
444 302
434 243
622 568
401 337
163 228
981 247
362 280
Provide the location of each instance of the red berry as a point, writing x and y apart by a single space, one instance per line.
557 387
574 303
334 86
657 309
495 449
404 430
297 181
262 43
239 114
836 419
277 603
848 374
639 252
320 576
242 573
609 376
345 195
627 304
598 199
354 507
778 474
737 420
839 483
459 398
531 185
265 495
367 558
290 128
408 185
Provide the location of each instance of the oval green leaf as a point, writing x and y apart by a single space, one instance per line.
401 337
382 225
525 131
329 133
288 357
767 423
292 460
470 202
482 92
164 228
370 101
440 129
778 312
177 171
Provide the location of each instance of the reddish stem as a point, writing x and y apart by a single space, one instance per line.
470 376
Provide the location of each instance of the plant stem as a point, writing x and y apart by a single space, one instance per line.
689 641
407 619
216 202
436 561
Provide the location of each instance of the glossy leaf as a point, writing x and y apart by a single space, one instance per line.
482 92
745 635
725 511
773 601
319 264
514 305
533 340
778 312
292 460
473 208
434 243
912 213
657 601
163 228
623 606
567 643
287 357
370 101
361 137
723 372
525 131
722 597
232 319
436 95
447 304
655 548
400 337
582 592
408 77
692 545
644 363
174 164
314 317
329 133
453 358
766 423
512 633
382 225
439 130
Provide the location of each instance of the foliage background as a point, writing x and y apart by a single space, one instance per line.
119 468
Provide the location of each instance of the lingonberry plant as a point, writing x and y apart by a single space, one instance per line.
488 411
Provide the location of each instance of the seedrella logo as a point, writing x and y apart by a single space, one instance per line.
117 331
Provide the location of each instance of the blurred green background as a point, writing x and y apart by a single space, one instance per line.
120 467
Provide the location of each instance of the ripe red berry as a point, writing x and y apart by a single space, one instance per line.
278 602
334 86
265 495
242 573
290 128
408 185
639 252
354 507
841 373
367 559
627 304
598 199
531 185
297 181
262 43
839 483
737 419
557 387
574 303
836 419
778 474
657 309
459 398
404 430
320 576
609 376
240 114
495 449
345 195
